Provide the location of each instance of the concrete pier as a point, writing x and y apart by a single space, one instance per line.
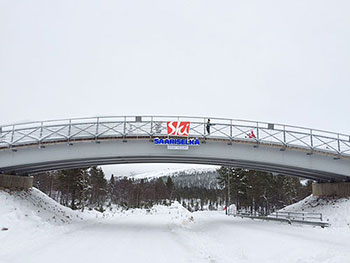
341 189
15 182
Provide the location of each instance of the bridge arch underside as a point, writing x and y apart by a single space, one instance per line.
61 155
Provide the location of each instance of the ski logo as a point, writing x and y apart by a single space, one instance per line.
178 128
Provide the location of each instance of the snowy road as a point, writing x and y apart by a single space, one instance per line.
211 237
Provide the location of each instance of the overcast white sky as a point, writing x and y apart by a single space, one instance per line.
277 61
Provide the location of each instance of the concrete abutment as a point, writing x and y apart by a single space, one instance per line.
15 182
339 189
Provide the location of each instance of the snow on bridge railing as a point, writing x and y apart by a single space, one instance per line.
104 127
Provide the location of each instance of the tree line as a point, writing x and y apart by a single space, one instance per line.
88 188
261 191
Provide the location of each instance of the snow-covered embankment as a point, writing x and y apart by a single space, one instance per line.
334 211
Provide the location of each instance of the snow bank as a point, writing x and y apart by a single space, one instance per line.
33 208
176 213
334 211
30 218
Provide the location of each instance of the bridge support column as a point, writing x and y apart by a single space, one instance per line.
16 182
341 189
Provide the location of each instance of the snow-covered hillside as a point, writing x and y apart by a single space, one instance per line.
173 172
189 177
335 211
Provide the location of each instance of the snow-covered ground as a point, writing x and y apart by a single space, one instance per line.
40 230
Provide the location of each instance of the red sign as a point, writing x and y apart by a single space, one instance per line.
178 128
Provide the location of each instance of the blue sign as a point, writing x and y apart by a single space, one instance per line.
167 141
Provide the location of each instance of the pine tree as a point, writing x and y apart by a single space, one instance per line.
111 189
99 186
170 187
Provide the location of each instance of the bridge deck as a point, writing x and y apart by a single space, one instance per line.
39 146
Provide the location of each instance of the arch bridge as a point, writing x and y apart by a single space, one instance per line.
33 147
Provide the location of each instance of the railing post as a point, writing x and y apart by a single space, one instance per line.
284 134
97 124
338 143
41 130
311 139
257 130
41 134
151 126
69 128
124 132
12 134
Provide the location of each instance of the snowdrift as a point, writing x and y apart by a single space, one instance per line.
334 211
175 213
29 219
32 208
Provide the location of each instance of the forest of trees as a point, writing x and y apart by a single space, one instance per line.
88 188
261 191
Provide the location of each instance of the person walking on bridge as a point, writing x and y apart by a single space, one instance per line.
208 126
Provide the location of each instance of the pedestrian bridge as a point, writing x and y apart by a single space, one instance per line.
32 147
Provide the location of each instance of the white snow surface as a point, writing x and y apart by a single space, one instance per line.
161 234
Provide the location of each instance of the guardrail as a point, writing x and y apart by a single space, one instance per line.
304 216
281 216
232 130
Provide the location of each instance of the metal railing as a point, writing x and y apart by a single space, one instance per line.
231 130
303 216
281 216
